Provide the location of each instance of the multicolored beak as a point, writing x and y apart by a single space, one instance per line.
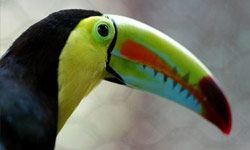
144 58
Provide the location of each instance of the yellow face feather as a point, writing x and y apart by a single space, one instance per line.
82 64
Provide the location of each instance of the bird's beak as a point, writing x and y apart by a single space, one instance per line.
144 58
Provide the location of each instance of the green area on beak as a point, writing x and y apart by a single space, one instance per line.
144 58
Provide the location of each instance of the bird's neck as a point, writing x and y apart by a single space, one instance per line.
74 85
33 73
40 87
78 74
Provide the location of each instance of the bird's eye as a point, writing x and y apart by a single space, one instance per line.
103 30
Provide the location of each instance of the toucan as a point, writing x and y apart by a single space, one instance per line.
57 61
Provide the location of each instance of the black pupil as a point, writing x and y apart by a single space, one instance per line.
103 30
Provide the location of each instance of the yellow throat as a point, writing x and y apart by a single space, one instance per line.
81 67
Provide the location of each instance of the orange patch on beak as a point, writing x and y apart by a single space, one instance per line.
142 55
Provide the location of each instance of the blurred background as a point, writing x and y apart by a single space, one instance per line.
113 117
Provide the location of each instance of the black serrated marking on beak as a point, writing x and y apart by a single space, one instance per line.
186 77
188 95
174 84
119 80
165 79
175 69
155 73
182 89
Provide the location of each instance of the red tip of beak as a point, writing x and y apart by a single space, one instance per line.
216 106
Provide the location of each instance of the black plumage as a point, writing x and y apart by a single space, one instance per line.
28 82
